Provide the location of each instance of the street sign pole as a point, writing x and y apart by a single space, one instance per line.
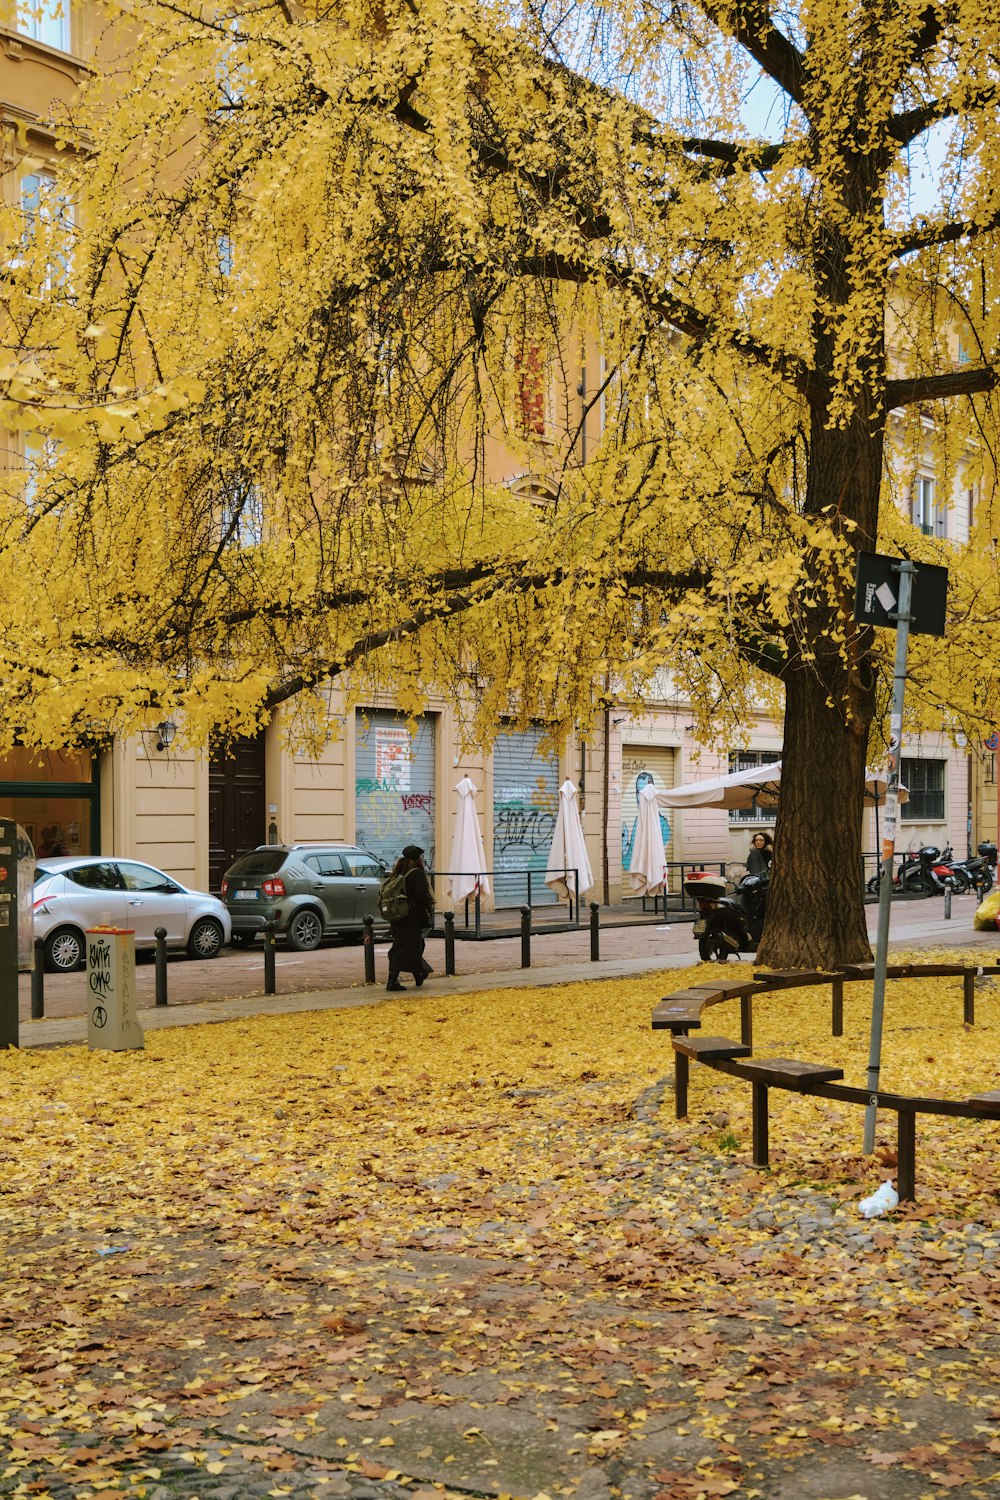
902 618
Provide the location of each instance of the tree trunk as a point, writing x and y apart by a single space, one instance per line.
815 914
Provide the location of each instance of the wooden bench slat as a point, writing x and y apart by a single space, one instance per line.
989 1100
710 1046
788 1069
667 1017
785 979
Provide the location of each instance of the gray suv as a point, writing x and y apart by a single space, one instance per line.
309 891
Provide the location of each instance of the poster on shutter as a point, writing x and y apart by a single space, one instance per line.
393 757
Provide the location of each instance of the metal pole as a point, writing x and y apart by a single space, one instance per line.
525 937
905 569
595 932
269 981
369 946
449 942
38 982
160 959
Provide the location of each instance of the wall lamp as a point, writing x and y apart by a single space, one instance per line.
165 734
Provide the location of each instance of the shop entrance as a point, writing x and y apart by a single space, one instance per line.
237 811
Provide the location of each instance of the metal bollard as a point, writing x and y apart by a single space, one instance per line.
369 946
449 942
595 932
269 984
160 934
38 982
947 903
525 937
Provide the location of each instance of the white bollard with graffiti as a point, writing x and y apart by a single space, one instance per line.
112 1023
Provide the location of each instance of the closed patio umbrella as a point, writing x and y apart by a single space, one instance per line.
646 870
568 852
468 857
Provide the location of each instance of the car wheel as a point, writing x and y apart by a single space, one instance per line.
243 939
65 950
713 947
205 938
305 930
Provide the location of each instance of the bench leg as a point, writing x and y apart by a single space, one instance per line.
906 1154
680 1085
746 1021
838 1007
969 997
759 1124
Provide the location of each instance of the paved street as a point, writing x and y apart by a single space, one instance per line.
333 976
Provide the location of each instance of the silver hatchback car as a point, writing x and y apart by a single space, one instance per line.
72 894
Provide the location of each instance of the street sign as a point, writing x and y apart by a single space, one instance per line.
877 591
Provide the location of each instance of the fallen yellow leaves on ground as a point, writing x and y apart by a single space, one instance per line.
294 1227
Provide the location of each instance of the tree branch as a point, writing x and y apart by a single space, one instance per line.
943 234
940 387
749 23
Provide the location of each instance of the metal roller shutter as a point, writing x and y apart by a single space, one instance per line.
642 763
394 784
525 807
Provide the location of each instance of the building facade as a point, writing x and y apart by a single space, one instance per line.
381 782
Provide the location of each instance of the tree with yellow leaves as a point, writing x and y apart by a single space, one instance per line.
328 261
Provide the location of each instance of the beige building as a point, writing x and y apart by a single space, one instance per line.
380 783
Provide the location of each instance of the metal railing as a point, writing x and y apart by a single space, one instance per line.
534 883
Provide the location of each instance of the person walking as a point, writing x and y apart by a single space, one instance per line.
761 854
406 955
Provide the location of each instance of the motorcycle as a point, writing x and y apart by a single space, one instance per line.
979 869
727 924
929 871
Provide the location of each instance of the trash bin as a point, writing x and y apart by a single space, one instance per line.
112 1023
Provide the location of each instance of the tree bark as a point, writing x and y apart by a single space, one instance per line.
816 914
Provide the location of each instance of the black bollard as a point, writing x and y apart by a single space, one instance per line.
595 932
449 942
160 935
38 982
525 937
269 984
369 945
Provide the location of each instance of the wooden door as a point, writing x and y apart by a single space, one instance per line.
237 812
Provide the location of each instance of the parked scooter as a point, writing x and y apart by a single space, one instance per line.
727 924
929 871
979 869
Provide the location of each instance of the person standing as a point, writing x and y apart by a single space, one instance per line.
406 955
761 854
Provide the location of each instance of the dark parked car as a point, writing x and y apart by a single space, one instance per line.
309 891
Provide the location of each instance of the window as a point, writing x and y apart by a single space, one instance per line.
531 382
145 878
100 877
324 864
40 454
923 510
47 212
743 760
924 780
45 20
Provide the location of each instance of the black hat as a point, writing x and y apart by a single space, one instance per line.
412 851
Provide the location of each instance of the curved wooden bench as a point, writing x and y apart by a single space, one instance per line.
680 1013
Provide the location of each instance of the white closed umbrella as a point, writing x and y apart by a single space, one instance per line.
468 857
568 852
648 862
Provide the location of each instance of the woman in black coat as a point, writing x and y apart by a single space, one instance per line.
407 952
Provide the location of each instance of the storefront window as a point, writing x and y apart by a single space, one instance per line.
52 794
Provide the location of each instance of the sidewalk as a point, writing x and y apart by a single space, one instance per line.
332 978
